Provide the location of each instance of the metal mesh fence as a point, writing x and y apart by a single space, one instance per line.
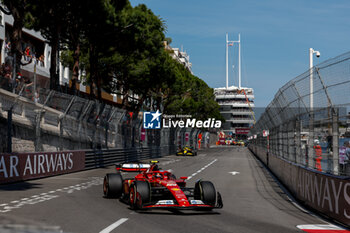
316 136
57 121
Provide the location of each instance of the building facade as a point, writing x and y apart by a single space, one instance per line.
40 53
39 49
180 56
236 106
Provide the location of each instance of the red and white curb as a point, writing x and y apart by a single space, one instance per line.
321 228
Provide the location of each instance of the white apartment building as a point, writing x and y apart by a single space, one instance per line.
237 109
180 56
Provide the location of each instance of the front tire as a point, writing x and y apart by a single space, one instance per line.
140 193
205 191
113 185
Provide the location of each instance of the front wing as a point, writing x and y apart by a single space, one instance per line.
199 207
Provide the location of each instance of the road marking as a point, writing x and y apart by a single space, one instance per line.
67 178
4 207
200 170
234 173
169 162
322 228
114 225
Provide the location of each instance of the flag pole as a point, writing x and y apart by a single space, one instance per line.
226 61
239 61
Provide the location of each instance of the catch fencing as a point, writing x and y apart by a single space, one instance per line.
314 136
57 121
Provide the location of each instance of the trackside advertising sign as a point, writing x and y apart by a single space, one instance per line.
25 166
155 120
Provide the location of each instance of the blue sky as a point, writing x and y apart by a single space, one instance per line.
276 36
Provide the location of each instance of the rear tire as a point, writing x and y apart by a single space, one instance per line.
205 191
140 193
113 185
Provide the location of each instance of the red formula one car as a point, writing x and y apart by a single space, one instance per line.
154 188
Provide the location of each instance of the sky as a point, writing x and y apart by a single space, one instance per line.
275 38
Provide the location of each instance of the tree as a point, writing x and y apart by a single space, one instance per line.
19 11
51 23
124 52
101 30
138 54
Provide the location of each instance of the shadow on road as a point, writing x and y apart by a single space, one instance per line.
20 186
176 212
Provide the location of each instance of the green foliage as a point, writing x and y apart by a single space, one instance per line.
121 48
191 95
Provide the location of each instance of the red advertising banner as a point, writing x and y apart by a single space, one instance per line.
25 166
187 137
242 130
143 134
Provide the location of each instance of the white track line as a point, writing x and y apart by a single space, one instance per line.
15 204
320 227
200 170
114 225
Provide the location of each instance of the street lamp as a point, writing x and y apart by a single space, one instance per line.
311 121
318 54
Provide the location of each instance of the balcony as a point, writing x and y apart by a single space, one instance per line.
236 103
239 113
240 120
40 69
233 96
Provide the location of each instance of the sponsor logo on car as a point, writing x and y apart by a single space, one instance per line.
171 184
196 202
165 202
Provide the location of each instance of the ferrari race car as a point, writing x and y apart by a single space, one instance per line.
186 150
154 188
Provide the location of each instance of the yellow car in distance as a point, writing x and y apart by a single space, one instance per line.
186 151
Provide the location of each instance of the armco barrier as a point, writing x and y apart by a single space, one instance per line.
107 157
326 193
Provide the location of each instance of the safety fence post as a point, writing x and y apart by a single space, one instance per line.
335 141
9 130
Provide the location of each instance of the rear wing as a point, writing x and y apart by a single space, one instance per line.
132 167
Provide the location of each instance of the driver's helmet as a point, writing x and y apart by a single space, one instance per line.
158 175
155 167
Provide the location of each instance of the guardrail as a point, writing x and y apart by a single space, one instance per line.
107 157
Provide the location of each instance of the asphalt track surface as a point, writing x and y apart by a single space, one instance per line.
253 201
